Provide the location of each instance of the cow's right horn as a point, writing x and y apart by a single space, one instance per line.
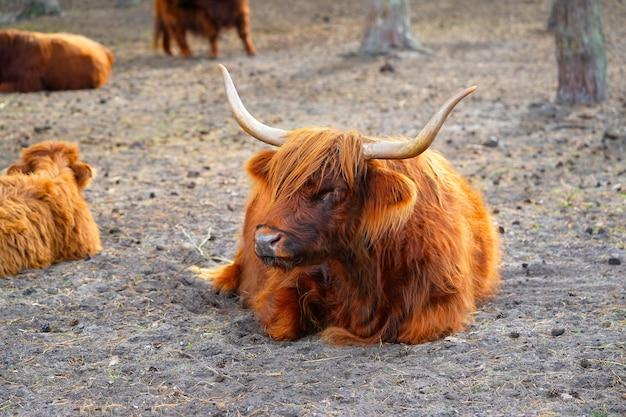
250 125
382 149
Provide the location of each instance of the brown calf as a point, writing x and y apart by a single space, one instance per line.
31 61
44 217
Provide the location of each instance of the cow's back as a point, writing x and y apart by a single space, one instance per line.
76 62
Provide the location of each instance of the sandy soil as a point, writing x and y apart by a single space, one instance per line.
130 333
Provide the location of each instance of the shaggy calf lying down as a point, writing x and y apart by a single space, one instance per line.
31 61
44 217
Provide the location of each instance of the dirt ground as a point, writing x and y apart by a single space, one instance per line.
130 333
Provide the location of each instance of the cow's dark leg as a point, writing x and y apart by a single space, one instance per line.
243 29
215 50
181 40
167 45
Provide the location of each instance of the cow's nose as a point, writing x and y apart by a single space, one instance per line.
266 241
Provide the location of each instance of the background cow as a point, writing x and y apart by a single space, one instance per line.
44 217
368 240
31 61
173 18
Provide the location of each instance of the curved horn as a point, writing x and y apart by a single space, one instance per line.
411 148
248 123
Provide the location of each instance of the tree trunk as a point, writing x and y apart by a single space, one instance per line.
388 27
580 51
36 8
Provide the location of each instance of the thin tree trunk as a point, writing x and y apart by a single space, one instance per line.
36 8
580 51
388 27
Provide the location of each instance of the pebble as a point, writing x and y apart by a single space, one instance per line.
514 335
492 142
387 67
615 261
557 331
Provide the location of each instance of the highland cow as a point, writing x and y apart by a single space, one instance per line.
31 61
366 240
44 217
207 18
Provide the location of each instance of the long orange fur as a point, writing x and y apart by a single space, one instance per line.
44 217
32 61
407 260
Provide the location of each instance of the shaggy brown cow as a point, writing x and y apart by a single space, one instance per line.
366 240
31 61
44 217
173 18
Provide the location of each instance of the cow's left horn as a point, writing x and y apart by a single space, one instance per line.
381 149
248 123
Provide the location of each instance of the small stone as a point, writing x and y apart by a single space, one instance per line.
514 335
501 230
615 261
557 331
387 67
492 142
585 363
41 129
152 195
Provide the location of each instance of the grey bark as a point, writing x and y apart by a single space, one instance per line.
36 8
388 27
580 51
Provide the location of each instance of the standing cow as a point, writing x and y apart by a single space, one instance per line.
174 18
31 61
364 239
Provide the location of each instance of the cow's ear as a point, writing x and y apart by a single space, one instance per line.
18 168
258 165
390 200
83 173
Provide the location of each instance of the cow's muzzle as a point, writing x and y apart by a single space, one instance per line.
271 246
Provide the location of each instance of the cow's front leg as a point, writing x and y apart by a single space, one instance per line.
215 49
243 30
223 278
278 310
181 39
